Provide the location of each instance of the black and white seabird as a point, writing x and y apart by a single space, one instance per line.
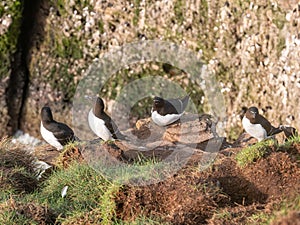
167 111
55 133
288 131
258 126
101 123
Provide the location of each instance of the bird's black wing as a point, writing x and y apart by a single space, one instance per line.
177 106
62 132
112 127
259 119
271 130
289 131
274 130
171 106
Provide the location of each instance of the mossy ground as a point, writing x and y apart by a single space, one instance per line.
254 152
262 191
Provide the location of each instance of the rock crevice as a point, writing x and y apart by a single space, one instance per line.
31 34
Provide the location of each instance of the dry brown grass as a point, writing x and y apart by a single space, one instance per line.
16 165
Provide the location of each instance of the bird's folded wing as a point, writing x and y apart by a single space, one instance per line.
264 122
179 104
62 132
274 131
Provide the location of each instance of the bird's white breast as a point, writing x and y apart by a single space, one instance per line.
50 138
164 120
98 127
255 130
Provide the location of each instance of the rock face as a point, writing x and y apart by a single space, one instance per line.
4 117
192 130
251 47
9 31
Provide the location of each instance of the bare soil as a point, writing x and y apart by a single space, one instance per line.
200 197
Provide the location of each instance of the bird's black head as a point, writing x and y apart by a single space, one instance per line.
99 106
252 112
158 103
242 112
46 114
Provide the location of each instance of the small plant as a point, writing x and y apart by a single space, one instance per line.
254 152
261 218
224 214
286 206
141 220
179 11
136 12
69 154
291 141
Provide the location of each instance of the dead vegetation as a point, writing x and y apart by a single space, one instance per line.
16 166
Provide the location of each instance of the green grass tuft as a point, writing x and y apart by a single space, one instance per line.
87 191
143 170
280 210
291 141
223 214
254 152
141 220
10 217
108 205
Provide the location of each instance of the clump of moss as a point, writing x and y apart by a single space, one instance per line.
254 152
179 11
